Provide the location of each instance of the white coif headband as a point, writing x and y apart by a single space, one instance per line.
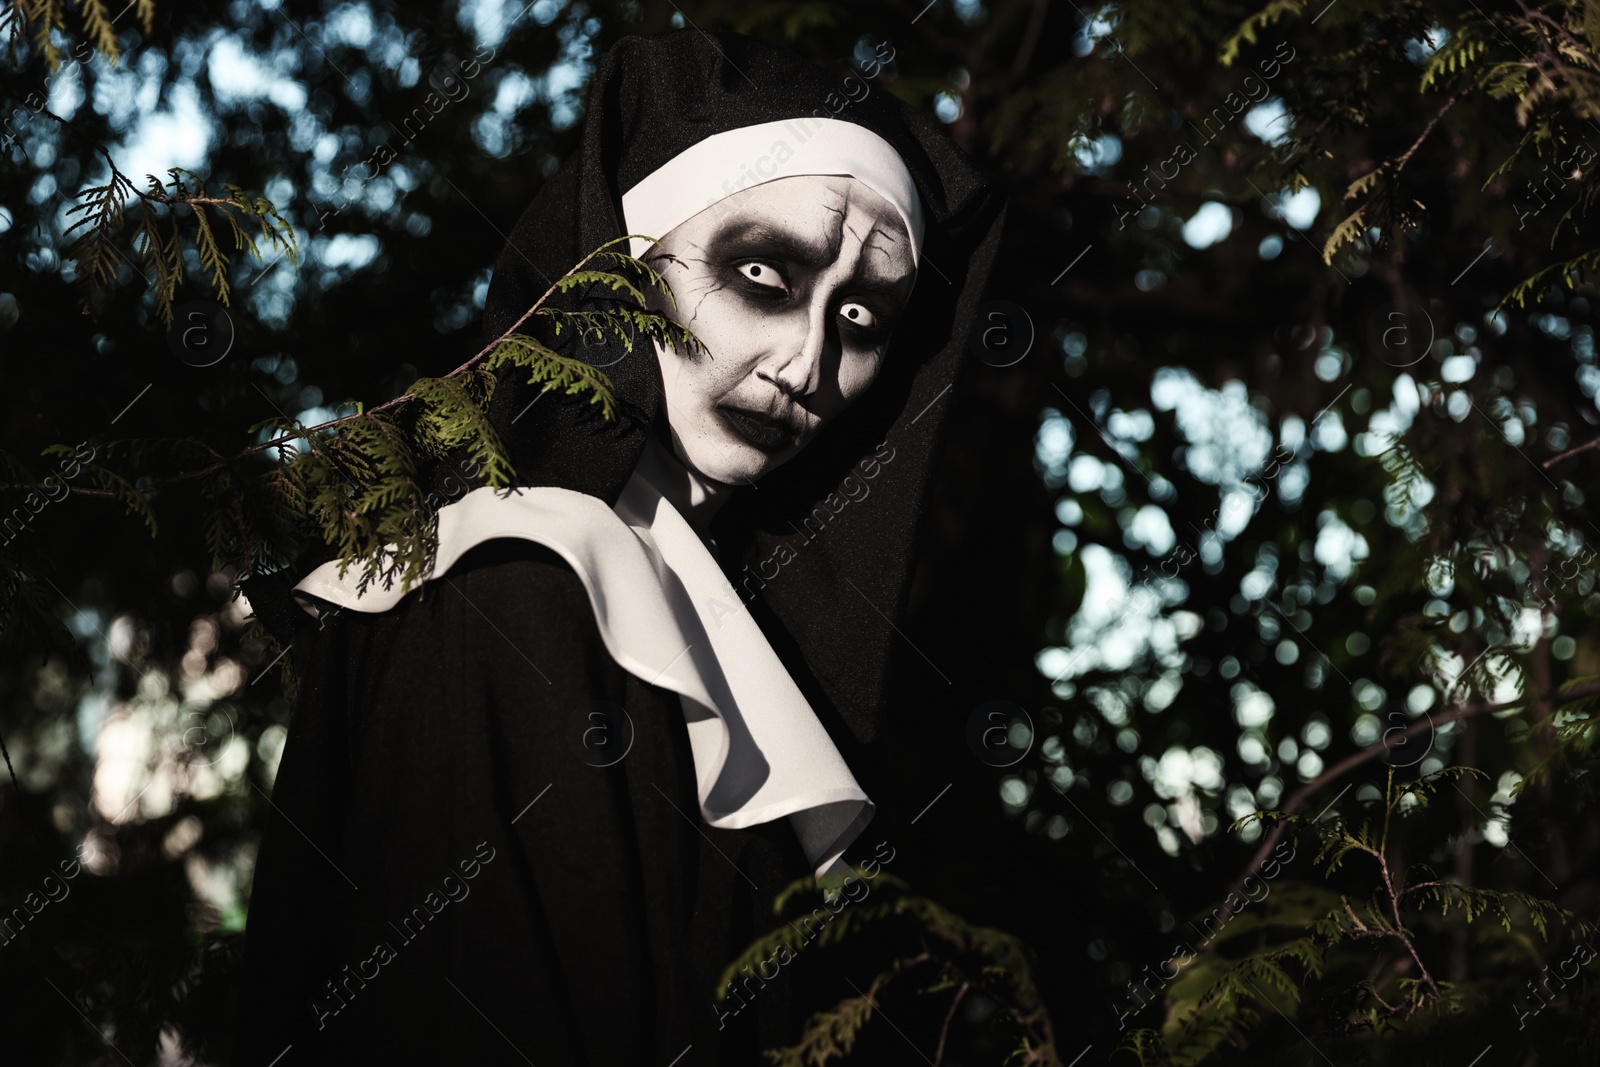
725 163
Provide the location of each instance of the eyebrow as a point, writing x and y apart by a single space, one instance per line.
814 253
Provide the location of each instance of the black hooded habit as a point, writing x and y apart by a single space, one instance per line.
441 879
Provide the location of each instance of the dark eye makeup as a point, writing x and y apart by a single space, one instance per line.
762 277
764 281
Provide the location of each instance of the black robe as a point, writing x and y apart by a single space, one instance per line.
432 741
601 908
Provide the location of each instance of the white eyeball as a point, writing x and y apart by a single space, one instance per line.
857 315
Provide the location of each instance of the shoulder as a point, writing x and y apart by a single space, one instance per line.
513 565
516 586
512 586
508 623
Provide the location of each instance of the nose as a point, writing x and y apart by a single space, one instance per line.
799 351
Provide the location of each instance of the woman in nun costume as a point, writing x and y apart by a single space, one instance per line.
530 811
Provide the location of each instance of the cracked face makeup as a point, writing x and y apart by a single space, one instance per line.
794 286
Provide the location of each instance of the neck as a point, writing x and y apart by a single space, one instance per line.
696 497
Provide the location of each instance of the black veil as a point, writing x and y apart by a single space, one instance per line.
843 569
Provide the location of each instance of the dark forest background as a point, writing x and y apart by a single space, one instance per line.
1285 508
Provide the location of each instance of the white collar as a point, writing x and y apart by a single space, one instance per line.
668 615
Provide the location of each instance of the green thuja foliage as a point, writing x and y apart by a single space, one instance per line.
352 483
1360 956
1539 60
1474 72
44 23
929 948
160 238
1576 752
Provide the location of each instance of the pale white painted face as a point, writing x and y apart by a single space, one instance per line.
794 286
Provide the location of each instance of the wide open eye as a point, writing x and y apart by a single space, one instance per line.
858 315
763 274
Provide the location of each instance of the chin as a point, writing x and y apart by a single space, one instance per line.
733 462
737 473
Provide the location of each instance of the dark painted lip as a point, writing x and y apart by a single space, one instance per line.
758 429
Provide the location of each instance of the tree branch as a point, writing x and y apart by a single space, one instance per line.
1400 164
944 1031
307 431
1588 446
1302 796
